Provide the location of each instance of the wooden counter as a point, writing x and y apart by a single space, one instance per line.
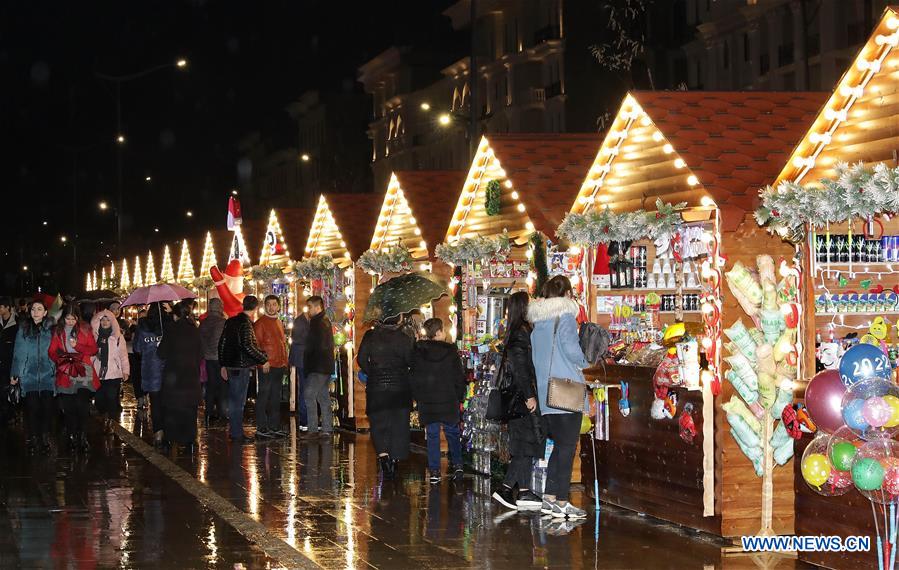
646 466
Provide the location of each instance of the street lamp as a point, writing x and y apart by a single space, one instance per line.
63 239
147 178
189 214
103 206
180 63
425 106
44 223
234 192
444 119
156 230
24 268
304 157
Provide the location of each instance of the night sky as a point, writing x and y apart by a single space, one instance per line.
248 60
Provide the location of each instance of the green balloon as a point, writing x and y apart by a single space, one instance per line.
842 454
867 474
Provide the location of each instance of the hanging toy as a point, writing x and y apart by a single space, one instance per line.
687 425
791 422
670 404
624 405
806 424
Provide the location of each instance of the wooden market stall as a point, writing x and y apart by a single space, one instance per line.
516 193
858 124
341 230
414 216
710 151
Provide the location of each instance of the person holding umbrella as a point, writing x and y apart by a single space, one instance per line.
71 349
385 356
146 343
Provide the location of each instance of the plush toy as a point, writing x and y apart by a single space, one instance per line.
687 425
229 286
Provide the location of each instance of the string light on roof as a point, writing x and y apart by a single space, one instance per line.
137 280
800 162
865 65
667 149
125 281
679 163
849 91
657 136
166 273
692 180
508 183
208 259
185 265
824 138
834 115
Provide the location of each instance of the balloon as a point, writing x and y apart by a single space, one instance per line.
867 474
866 410
816 469
841 455
339 339
891 481
839 480
586 424
876 411
823 399
893 403
864 361
852 415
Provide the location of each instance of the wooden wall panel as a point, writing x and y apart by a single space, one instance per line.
738 489
646 466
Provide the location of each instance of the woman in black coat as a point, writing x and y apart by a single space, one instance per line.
182 351
526 440
385 355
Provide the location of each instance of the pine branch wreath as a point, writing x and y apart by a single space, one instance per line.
492 198
394 259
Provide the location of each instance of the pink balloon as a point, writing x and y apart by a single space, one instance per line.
824 398
876 411
839 479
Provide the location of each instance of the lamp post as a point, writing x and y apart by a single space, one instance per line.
118 80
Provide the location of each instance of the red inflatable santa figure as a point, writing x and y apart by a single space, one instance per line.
229 286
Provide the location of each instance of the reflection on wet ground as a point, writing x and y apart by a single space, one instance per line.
322 497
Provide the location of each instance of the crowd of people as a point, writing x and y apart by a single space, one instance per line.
175 362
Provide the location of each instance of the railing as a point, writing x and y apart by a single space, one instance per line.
552 90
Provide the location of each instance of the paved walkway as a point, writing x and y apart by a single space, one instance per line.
294 504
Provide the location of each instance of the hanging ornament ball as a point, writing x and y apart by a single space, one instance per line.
893 402
842 454
867 474
815 469
339 339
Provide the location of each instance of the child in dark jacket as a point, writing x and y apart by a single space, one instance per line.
438 385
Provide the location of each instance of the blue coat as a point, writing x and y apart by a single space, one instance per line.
31 362
146 343
568 360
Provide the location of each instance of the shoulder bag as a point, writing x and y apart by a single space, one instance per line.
563 393
504 402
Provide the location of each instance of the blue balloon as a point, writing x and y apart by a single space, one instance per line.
852 415
864 361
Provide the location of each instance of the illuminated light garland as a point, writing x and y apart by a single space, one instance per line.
150 273
125 280
166 272
185 265
274 229
238 247
208 260
137 279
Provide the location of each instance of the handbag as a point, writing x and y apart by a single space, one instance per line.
563 393
504 402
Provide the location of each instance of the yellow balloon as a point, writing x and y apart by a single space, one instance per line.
586 424
893 401
815 469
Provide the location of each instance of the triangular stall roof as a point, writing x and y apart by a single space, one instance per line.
275 250
687 146
417 209
858 122
539 175
294 231
342 226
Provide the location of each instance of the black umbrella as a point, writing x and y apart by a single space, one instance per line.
402 294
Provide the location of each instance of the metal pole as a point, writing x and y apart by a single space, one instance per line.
119 150
75 220
474 108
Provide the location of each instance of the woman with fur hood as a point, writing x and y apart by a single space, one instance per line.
557 354
111 364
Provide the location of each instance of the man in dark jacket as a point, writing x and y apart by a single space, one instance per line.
239 354
298 335
438 386
210 335
8 330
318 364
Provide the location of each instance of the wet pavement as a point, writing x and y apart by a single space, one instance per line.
293 503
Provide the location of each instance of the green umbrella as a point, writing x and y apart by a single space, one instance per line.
402 294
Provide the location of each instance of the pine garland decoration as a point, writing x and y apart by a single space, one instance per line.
457 301
318 267
538 260
266 273
492 201
478 248
394 259
606 226
857 191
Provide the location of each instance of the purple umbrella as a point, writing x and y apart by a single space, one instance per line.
156 293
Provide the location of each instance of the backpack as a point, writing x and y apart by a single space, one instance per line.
594 342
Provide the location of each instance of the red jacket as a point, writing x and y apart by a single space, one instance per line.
85 348
271 338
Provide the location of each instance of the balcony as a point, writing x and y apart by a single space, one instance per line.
546 34
552 90
530 96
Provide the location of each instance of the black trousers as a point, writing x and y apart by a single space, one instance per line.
39 413
156 412
108 399
76 408
268 399
390 432
216 396
134 364
564 429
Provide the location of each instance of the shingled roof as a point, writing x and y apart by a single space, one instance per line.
432 195
734 142
295 224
